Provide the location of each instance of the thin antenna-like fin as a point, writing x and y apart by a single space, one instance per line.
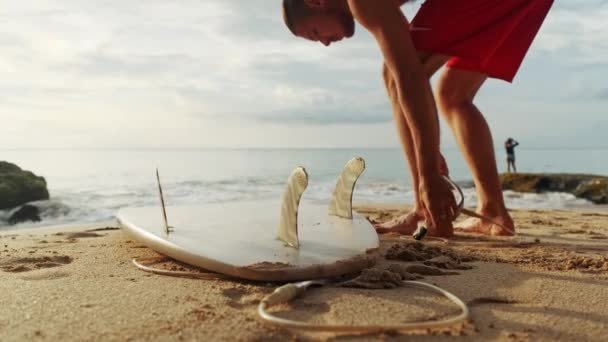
288 225
168 228
341 204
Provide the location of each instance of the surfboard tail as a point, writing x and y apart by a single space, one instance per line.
288 225
341 203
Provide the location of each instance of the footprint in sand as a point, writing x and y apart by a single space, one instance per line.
80 235
234 293
46 275
235 297
594 215
71 237
490 300
415 251
30 264
586 233
105 229
310 307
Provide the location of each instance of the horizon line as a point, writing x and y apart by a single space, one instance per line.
156 148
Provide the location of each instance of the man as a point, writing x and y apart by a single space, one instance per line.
510 145
478 39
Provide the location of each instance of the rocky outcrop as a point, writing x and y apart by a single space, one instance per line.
590 187
18 187
27 213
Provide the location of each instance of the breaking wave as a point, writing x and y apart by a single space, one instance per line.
100 204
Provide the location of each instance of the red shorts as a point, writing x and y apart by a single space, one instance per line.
488 36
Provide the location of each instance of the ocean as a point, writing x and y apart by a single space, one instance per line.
91 185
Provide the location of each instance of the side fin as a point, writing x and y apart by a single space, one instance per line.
341 204
288 225
168 228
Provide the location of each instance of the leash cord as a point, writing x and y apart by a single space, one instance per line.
288 292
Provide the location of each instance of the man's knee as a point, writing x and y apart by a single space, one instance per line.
457 88
450 95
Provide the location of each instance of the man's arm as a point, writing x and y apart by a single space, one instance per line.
390 28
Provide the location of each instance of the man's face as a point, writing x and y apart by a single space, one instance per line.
325 27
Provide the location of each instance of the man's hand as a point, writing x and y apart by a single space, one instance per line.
439 204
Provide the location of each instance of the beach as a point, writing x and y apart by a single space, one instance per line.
185 121
549 283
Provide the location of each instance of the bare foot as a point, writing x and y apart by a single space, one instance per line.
404 224
497 225
407 224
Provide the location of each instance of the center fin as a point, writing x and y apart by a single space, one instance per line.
341 204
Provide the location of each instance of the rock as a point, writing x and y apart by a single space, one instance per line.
595 190
24 214
590 187
18 187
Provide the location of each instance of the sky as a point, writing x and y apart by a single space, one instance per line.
227 73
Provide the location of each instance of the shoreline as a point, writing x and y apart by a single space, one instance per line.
600 208
76 282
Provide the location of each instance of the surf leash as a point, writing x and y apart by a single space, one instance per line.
422 230
144 264
286 293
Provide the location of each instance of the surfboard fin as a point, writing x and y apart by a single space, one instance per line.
168 228
288 225
341 204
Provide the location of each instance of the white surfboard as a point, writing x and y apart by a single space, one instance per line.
266 240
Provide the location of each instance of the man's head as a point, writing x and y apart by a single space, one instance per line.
326 21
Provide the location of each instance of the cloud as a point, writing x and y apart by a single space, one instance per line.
323 108
188 63
328 116
577 30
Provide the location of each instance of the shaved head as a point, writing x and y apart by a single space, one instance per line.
294 10
321 21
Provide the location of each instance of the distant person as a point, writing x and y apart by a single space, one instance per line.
510 145
476 40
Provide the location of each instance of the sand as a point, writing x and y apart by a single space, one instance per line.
548 283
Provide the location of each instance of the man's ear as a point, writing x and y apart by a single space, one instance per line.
316 4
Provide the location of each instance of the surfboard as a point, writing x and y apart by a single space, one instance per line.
263 240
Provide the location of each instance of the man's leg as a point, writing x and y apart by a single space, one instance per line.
407 223
508 165
457 89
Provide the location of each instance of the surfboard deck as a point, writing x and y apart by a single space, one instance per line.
239 239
